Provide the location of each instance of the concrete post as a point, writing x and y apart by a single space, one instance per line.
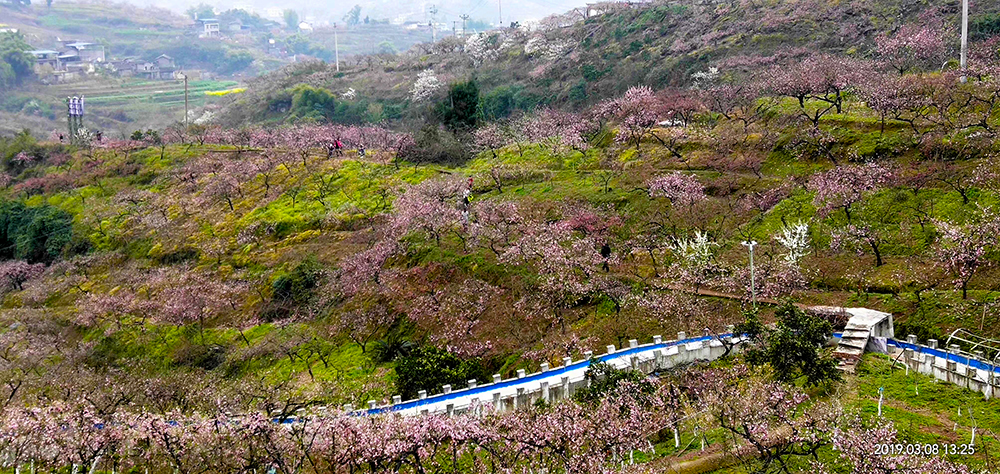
706 332
657 339
633 343
545 367
912 339
681 336
497 378
545 391
396 399
932 343
588 354
446 389
565 386
372 404
658 357
496 400
520 373
611 349
450 409
422 394
473 383
348 407
952 351
517 398
567 361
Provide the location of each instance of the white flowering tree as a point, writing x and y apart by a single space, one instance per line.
482 47
424 87
795 239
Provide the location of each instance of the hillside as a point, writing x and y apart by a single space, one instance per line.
568 63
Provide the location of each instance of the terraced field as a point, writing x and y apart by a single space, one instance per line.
150 103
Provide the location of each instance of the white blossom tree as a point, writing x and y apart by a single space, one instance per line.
424 87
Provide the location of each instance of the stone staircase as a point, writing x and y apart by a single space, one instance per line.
863 325
852 346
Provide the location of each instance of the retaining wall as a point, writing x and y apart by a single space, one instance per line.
950 365
553 384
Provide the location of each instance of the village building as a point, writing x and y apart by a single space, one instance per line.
210 28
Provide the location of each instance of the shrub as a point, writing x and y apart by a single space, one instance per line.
604 379
458 110
793 348
436 145
428 368
293 290
35 234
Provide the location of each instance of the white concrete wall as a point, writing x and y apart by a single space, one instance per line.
561 382
948 365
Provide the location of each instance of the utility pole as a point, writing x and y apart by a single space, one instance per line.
433 10
753 289
336 47
965 37
500 13
465 18
185 76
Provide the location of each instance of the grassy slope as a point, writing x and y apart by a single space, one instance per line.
329 228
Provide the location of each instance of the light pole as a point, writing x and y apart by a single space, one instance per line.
185 76
753 290
965 37
336 48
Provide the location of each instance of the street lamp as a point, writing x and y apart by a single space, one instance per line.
184 75
965 37
753 290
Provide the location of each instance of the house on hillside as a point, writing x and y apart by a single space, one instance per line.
86 52
209 28
163 67
46 58
165 62
124 67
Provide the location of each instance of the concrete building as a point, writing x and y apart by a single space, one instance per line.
46 57
210 28
86 52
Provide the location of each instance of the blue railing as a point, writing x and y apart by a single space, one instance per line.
536 377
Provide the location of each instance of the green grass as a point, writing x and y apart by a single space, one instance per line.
926 410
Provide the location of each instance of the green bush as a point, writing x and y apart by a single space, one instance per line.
293 290
437 145
458 110
502 101
36 234
604 379
428 368
793 348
